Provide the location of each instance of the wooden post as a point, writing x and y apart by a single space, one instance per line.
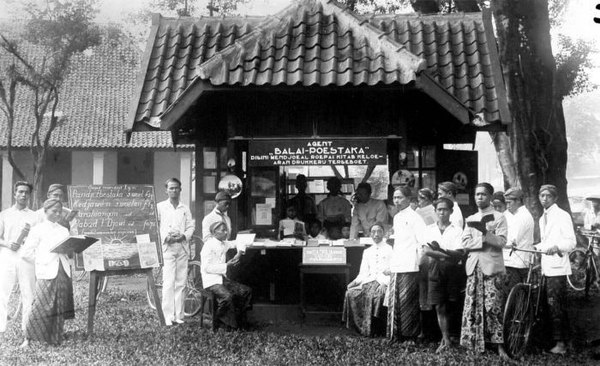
93 291
159 311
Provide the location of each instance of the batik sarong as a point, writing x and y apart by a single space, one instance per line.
483 311
403 307
362 305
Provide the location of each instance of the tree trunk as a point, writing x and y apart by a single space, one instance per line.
537 134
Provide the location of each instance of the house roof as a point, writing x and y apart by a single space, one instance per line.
94 101
320 43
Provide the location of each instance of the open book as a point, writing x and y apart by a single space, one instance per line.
76 243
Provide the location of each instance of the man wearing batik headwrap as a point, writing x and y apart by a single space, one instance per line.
233 299
557 240
15 222
484 238
67 216
53 300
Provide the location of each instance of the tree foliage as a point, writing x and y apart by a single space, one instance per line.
40 63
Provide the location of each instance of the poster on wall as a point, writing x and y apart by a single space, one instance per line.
123 218
317 151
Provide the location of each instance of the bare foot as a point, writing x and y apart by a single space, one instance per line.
559 349
503 355
444 345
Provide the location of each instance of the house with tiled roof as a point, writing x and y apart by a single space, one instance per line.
89 144
318 69
320 91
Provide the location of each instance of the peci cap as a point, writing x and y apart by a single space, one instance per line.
222 196
514 194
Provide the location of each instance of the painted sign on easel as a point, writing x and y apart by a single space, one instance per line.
124 218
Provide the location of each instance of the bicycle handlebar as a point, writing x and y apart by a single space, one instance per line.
560 254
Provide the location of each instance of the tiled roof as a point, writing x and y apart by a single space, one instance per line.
319 42
458 55
94 101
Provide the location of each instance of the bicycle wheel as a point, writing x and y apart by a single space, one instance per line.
518 321
157 274
193 297
579 269
192 302
14 302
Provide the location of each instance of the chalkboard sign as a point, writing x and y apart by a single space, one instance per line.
323 255
124 219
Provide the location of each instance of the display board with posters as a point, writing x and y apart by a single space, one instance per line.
124 219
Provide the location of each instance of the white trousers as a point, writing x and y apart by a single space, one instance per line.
12 269
174 278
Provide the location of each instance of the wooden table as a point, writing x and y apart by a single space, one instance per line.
321 269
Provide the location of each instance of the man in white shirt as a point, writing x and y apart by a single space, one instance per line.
449 190
176 229
444 247
367 212
557 240
218 214
409 237
15 222
520 235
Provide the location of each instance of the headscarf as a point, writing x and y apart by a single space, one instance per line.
55 186
51 202
550 188
448 187
222 196
498 196
215 225
514 193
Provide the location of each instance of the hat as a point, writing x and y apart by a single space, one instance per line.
550 188
513 194
55 186
222 196
593 197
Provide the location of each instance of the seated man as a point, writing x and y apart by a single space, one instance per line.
363 303
233 299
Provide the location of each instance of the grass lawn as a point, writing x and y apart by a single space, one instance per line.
127 332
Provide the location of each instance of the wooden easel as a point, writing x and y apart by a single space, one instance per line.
93 292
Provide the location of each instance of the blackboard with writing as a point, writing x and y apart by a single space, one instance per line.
123 217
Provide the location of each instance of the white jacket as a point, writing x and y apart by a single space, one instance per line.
556 229
42 238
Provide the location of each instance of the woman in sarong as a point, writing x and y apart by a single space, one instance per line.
484 238
53 298
363 303
403 292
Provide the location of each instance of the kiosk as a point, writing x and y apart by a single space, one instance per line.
321 91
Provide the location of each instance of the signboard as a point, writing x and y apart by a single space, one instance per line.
317 151
323 255
124 219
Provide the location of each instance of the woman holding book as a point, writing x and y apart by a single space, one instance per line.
53 297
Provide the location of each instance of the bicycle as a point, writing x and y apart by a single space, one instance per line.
584 264
192 295
522 310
